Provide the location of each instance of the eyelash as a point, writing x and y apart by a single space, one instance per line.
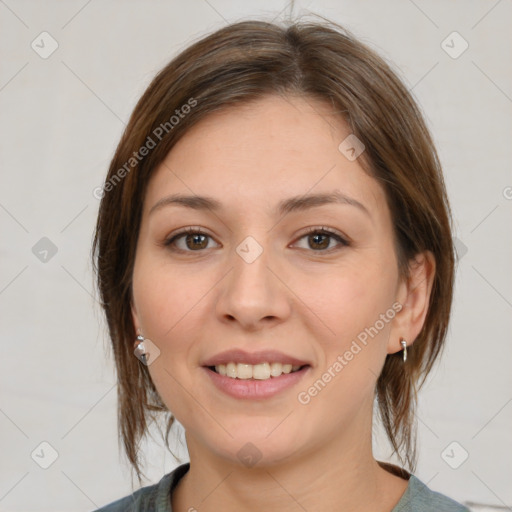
314 230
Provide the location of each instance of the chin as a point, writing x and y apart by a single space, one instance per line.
252 448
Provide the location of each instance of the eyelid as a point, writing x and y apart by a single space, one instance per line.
189 230
326 230
331 232
343 240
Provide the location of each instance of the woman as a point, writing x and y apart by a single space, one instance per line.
274 255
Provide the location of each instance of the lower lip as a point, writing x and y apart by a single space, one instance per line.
254 388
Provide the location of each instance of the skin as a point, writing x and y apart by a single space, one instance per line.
296 297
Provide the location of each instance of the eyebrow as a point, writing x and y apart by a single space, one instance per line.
292 204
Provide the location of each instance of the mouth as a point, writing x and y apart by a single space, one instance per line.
261 371
256 382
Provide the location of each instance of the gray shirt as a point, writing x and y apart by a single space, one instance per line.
157 498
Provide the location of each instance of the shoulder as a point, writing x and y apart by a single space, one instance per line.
154 498
142 499
419 498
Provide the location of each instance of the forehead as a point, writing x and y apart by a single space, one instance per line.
256 154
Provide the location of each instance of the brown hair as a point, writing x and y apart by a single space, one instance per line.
240 63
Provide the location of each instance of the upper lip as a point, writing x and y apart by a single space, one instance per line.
262 356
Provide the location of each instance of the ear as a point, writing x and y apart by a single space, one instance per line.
135 318
414 295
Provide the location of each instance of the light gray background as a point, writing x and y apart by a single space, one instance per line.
61 118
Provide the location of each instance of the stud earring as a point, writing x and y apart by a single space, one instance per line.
404 346
140 349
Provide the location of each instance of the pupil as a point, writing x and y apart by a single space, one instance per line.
323 245
317 240
195 239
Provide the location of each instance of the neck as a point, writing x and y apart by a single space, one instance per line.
337 475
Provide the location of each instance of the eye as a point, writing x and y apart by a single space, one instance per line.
194 240
319 239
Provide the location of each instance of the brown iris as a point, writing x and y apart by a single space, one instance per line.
195 238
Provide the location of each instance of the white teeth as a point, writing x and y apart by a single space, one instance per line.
262 371
277 368
244 371
231 370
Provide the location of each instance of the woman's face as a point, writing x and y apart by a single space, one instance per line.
256 279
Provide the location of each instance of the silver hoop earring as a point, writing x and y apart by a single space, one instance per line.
404 346
140 349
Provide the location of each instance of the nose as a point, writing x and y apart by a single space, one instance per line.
254 293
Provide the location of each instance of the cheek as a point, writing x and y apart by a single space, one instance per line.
163 295
358 311
349 299
354 304
171 306
169 312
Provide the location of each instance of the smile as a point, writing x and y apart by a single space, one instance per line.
262 371
253 387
